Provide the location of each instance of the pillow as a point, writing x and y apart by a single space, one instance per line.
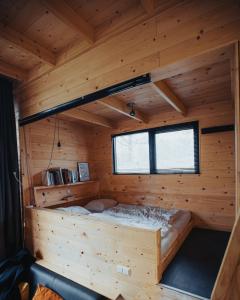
100 205
43 293
75 210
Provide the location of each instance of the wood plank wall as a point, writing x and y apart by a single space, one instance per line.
74 140
183 31
209 195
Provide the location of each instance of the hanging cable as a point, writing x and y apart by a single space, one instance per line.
53 143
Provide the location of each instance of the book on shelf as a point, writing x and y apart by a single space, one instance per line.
58 176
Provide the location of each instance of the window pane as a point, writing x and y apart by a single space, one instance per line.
132 153
175 151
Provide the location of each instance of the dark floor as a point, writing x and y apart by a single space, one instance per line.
194 269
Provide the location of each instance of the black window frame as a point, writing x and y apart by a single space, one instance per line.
152 148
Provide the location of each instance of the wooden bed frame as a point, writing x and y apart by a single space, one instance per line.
89 251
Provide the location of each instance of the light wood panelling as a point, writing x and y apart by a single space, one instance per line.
236 85
12 71
168 95
208 83
209 195
68 15
229 267
92 251
209 26
39 136
79 192
114 103
81 114
32 47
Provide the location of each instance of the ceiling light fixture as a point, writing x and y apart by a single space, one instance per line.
132 112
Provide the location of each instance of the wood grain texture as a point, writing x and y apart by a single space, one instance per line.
209 26
209 195
80 114
168 95
61 195
229 266
12 71
93 249
36 151
32 47
67 14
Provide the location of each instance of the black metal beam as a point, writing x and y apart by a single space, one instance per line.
217 129
140 80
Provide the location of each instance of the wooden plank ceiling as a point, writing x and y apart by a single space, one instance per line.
210 83
38 35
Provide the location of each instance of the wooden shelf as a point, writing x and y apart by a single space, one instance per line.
37 188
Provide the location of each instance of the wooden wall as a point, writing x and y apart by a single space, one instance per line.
209 195
181 32
38 141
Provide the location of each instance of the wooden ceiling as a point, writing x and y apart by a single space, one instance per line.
37 36
36 33
210 83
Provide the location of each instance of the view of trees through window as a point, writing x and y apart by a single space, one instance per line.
175 150
170 149
132 153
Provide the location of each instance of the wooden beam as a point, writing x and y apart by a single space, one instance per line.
229 264
163 89
78 114
236 93
66 14
118 105
12 71
22 42
149 5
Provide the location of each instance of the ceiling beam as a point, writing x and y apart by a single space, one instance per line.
148 5
78 114
165 92
118 105
22 42
66 14
12 71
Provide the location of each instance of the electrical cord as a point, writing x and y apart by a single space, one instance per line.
53 143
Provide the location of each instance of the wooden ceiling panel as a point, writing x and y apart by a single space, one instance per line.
208 84
100 110
145 97
98 12
51 32
26 15
16 57
203 85
10 9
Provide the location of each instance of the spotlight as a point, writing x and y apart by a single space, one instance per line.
132 112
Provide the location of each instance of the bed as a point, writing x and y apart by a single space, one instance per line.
172 222
116 251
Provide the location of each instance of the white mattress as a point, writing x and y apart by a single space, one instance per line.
177 228
171 222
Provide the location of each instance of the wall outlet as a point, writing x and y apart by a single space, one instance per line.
124 270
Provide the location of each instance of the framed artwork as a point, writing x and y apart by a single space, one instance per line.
83 171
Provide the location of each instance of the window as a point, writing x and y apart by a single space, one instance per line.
132 153
170 149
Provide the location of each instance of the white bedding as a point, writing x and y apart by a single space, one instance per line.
171 222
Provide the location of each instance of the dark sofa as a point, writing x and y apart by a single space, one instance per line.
66 288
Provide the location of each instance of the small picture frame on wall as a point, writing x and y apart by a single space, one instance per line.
83 171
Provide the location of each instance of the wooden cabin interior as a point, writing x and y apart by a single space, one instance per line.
131 106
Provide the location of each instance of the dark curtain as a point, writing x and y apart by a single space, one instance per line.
10 207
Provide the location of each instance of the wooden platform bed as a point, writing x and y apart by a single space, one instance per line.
90 251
